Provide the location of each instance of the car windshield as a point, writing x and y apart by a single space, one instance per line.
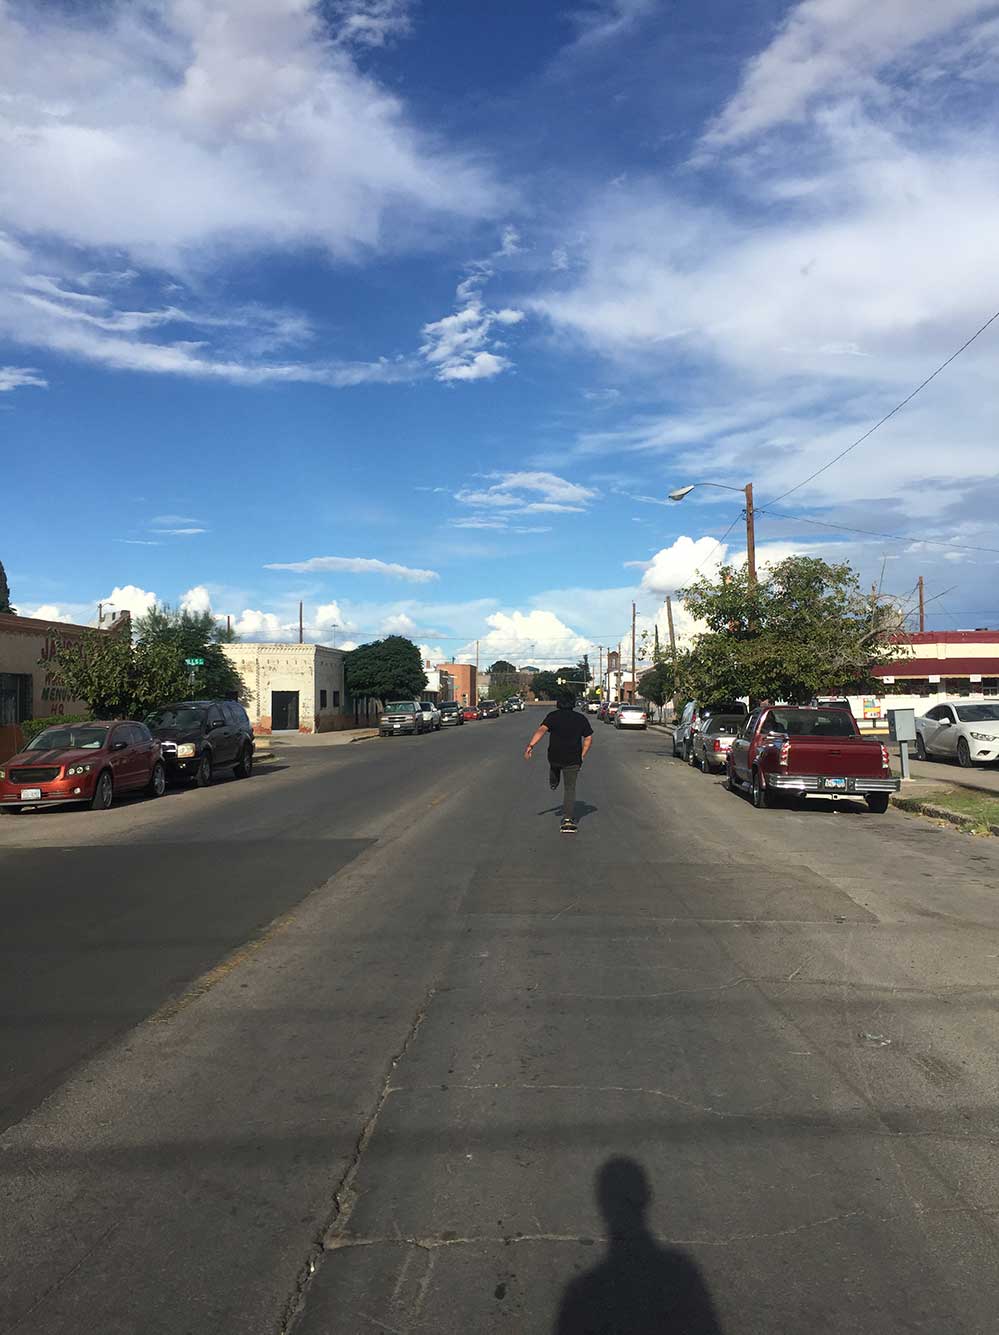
176 716
80 737
488 704
811 722
724 723
448 707
978 713
399 707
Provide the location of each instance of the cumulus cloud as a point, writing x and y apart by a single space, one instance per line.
196 599
16 377
355 565
463 346
525 635
47 612
254 625
675 566
130 598
400 623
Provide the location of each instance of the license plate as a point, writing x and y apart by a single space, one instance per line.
31 794
835 783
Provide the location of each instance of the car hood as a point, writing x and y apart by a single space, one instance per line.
33 758
165 734
988 726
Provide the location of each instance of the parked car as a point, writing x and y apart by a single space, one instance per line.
452 713
400 717
431 716
470 713
610 713
693 713
959 730
806 752
713 740
489 709
631 716
593 706
199 737
85 763
516 703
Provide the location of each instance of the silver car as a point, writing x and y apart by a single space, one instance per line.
631 716
452 713
431 716
711 743
960 730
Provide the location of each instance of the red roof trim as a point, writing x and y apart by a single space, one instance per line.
939 667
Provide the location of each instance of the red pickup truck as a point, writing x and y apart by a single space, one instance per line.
804 752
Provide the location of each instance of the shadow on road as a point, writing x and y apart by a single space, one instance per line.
640 1287
583 809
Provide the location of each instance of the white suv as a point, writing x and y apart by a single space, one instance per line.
431 716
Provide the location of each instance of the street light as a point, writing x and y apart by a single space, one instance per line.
747 491
336 627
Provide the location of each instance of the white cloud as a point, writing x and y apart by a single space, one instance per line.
538 634
197 599
371 22
356 565
675 566
400 623
47 612
608 20
16 377
831 47
432 654
254 625
463 346
514 493
509 242
129 598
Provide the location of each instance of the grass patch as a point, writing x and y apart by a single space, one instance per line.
980 810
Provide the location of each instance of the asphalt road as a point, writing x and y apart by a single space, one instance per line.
363 1044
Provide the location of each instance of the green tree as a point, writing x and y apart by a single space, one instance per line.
166 636
501 665
805 627
544 685
656 685
5 593
100 670
389 669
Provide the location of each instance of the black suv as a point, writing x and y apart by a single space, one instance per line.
200 736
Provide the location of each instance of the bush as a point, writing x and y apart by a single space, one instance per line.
33 726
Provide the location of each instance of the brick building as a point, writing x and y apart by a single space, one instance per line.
464 681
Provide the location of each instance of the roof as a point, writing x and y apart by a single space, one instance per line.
37 626
939 667
920 639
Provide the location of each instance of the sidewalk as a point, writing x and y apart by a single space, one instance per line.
280 740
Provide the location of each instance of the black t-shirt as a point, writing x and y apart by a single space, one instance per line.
566 730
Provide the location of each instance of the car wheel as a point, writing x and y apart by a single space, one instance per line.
730 782
156 786
763 798
244 765
964 754
103 792
921 751
204 775
877 802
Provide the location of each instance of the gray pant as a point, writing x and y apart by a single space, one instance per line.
569 773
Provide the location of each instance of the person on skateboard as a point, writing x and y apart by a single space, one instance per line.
569 739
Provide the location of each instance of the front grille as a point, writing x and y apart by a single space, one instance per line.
34 774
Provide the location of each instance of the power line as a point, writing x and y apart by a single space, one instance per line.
887 417
870 533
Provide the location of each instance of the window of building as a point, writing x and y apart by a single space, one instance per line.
322 699
336 699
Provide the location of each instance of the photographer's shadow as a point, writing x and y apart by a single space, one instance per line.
640 1287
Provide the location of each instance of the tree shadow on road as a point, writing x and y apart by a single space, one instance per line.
640 1287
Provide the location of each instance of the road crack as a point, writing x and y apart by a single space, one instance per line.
344 1196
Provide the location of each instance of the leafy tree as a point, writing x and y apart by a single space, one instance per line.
656 685
166 636
804 628
100 670
5 593
501 665
389 669
502 689
544 685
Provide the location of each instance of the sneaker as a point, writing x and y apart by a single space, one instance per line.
568 825
554 777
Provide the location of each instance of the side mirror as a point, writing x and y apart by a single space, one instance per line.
216 723
946 723
118 746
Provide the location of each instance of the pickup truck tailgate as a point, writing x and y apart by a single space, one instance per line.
856 757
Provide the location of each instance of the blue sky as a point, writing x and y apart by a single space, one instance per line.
415 312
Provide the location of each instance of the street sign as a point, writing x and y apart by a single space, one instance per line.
194 662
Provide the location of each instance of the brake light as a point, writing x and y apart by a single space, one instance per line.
717 746
885 761
785 754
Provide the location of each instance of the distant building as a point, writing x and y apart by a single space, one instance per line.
298 688
945 663
464 681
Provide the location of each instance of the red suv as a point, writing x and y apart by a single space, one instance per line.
83 762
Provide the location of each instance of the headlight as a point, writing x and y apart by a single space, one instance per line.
186 750
984 737
78 769
3 774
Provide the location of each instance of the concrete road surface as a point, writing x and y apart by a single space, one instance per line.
364 1044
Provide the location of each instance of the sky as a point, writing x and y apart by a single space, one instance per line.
415 312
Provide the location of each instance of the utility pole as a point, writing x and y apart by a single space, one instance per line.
634 683
301 625
228 624
619 669
922 607
750 534
600 677
672 650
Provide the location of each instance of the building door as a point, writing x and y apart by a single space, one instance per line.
284 711
15 697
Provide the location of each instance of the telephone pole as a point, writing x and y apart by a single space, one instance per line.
750 534
669 622
619 669
922 607
634 683
301 625
600 677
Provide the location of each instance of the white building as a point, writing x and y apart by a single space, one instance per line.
298 688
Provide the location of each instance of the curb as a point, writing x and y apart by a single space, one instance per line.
920 808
